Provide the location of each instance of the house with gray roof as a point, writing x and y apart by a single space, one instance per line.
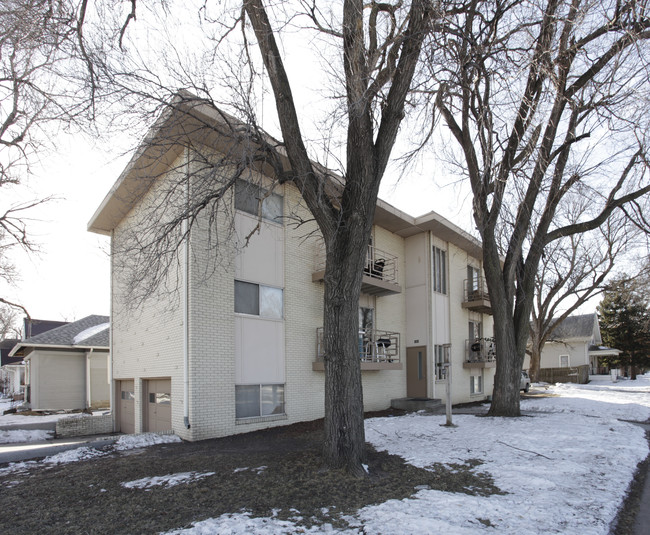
67 367
576 342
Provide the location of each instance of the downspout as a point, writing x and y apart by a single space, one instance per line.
111 382
89 397
186 315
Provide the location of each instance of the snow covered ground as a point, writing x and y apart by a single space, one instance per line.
564 467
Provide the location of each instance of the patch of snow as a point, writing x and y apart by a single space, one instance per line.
72 456
169 480
130 442
243 524
23 435
90 331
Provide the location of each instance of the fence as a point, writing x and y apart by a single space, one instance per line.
577 374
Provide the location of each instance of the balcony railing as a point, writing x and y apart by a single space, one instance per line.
377 349
480 352
380 272
475 295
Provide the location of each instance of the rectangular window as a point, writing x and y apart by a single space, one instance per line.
258 300
439 271
475 331
476 384
472 281
257 201
439 354
128 395
258 400
564 361
162 398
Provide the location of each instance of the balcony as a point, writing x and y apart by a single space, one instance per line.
475 296
380 274
378 350
480 353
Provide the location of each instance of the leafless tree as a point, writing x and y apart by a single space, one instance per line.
43 89
545 99
379 44
572 271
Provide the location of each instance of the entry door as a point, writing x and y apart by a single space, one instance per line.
159 405
416 372
127 407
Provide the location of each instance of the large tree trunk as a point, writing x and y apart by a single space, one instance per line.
344 428
533 371
507 378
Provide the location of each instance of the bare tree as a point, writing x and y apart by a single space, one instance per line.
572 271
43 88
379 44
544 99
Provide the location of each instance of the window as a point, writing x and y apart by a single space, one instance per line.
476 384
258 400
162 398
475 331
472 280
258 300
564 361
439 271
439 355
248 197
127 395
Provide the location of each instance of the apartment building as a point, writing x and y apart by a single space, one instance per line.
238 345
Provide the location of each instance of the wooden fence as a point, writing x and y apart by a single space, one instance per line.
576 374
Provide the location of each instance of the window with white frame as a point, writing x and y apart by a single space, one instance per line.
564 361
257 201
253 401
476 383
439 270
258 300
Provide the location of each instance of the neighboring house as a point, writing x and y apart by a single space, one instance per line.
12 370
575 342
67 367
243 348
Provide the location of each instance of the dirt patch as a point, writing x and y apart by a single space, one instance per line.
274 472
626 518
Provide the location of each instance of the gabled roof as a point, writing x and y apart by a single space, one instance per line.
89 332
6 346
190 117
584 326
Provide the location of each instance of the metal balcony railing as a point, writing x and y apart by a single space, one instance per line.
480 350
475 290
379 264
374 346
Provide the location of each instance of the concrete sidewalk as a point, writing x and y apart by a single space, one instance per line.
23 451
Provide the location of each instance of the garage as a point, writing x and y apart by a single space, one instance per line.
158 416
127 407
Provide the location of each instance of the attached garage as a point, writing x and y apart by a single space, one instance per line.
158 405
126 403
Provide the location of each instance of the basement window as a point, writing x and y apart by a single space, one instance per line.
252 401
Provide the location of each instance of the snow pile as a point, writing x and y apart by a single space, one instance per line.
243 524
90 331
259 469
23 435
72 456
170 480
130 442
